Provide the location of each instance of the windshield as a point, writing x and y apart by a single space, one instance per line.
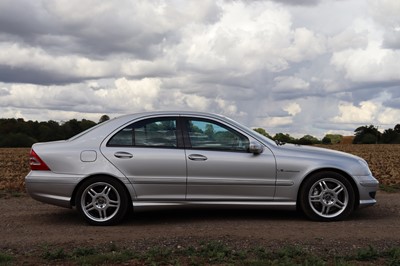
251 132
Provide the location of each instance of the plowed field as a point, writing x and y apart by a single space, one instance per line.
384 161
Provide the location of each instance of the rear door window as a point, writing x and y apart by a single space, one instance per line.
155 132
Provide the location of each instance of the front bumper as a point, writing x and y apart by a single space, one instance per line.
367 187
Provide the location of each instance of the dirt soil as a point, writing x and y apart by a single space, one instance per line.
27 226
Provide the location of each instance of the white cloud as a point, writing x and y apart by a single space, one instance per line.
366 113
389 116
374 64
349 38
274 122
245 38
196 102
292 109
306 45
17 56
125 95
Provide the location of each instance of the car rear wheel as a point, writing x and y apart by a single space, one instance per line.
102 201
327 196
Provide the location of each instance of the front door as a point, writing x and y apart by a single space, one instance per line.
220 167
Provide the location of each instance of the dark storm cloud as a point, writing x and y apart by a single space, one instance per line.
44 25
24 19
35 76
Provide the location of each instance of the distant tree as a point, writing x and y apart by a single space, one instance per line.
262 132
85 124
283 138
16 140
397 128
104 118
308 140
390 136
21 133
366 135
335 138
326 140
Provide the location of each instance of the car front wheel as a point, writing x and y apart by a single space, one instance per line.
102 201
327 196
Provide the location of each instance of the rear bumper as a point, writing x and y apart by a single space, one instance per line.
51 188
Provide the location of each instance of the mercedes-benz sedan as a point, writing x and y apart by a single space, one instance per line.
163 159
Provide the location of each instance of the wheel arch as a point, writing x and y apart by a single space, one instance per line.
341 172
73 197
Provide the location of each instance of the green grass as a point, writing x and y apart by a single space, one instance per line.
6 193
5 259
389 188
209 253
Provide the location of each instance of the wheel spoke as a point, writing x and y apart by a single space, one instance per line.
92 193
338 189
323 186
315 198
340 204
106 190
100 214
89 207
113 203
325 209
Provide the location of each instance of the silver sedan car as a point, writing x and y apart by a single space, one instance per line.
164 159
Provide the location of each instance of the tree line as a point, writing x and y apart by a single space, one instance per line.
21 133
362 135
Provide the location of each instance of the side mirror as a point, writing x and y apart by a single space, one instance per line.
256 148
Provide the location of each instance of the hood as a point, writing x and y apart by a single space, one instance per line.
314 152
297 157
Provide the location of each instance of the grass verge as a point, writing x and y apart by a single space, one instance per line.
206 253
389 188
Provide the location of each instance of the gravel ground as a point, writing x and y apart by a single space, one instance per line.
27 225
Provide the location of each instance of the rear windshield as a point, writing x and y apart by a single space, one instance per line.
88 130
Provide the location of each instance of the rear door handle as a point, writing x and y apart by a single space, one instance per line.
123 155
197 157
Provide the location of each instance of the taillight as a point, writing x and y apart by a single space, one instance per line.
36 163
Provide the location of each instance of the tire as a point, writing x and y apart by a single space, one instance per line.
102 201
327 196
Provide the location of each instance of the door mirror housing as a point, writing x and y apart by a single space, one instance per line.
256 148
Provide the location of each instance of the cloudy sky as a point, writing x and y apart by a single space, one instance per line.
293 66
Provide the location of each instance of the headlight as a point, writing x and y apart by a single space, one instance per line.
365 166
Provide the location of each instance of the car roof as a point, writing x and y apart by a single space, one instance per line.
105 128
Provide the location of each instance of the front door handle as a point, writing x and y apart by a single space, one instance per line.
197 157
123 155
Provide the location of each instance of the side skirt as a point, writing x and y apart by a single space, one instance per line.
157 205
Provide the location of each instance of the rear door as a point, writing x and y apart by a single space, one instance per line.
220 166
150 154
